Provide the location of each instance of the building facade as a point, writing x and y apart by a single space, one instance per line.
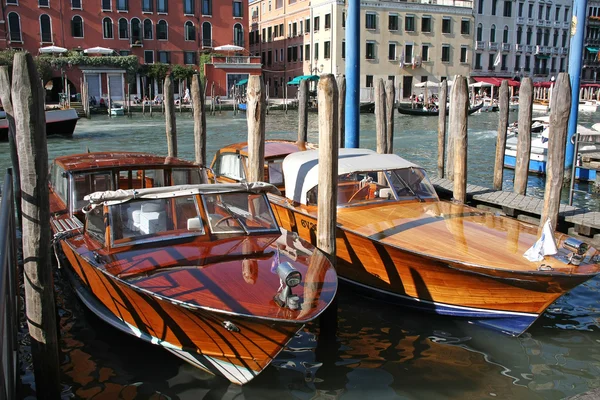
172 32
408 42
591 65
521 38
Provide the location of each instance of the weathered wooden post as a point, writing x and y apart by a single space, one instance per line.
30 124
442 128
555 165
524 137
255 114
390 97
199 120
380 120
143 101
303 113
501 139
170 121
341 84
328 183
129 100
180 87
150 100
450 147
5 98
212 99
459 107
109 102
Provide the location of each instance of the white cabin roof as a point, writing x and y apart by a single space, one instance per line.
301 169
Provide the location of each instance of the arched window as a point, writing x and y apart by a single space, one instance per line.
538 37
45 28
505 35
529 34
479 33
564 39
147 29
190 31
123 29
107 28
14 27
162 30
519 34
206 34
238 35
546 37
493 33
77 26
136 30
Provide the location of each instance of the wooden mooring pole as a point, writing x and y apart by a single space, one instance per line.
302 113
449 170
380 119
150 100
524 137
341 84
555 165
30 124
212 99
501 138
199 120
442 128
390 97
459 107
256 116
109 102
170 121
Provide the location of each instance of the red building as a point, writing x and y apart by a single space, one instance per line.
167 31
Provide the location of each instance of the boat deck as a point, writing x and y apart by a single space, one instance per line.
527 208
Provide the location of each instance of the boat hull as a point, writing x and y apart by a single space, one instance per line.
537 162
58 122
424 113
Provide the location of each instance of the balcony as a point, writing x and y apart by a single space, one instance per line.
505 46
493 46
479 45
548 23
136 41
520 20
233 62
557 24
519 48
564 51
554 50
540 22
541 49
528 49
530 21
566 25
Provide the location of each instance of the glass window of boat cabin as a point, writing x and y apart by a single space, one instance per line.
146 178
59 182
83 184
241 213
229 165
95 225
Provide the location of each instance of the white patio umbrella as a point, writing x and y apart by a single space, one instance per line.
229 47
427 84
98 50
52 50
481 84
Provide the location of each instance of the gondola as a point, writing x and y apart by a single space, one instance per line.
425 113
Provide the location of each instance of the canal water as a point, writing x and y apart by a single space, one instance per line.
380 351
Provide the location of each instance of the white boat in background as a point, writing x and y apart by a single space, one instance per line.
58 122
588 105
489 105
116 111
513 103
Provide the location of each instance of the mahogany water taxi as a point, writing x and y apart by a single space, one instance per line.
397 240
201 270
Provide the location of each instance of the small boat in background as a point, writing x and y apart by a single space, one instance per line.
588 106
58 122
117 111
431 112
242 106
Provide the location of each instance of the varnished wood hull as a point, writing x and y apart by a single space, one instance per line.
509 301
195 335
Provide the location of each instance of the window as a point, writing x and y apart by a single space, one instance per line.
76 4
46 28
562 65
530 11
188 7
529 35
392 51
517 62
316 51
445 53
162 30
122 5
316 24
190 31
393 22
77 27
343 49
149 56
238 35
491 62
107 28
306 51
507 8
564 39
480 7
162 6
557 14
164 57
555 39
206 7
343 19
477 60
505 35
538 37
370 51
189 57
463 54
295 52
147 29
503 66
237 9
465 27
546 37
136 31
369 80
548 8
371 21
146 5
425 52
327 21
479 33
425 23
206 34
306 26
124 53
493 33
519 34
327 50
299 53
521 5
106 5
392 78
526 68
123 29
43 3
409 23
408 53
294 29
446 25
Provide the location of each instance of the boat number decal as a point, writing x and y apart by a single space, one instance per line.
308 224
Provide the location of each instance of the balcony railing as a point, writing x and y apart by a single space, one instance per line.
528 49
541 49
505 46
520 48
479 45
566 25
136 41
236 60
520 20
493 46
554 50
540 22
564 51
548 23
557 24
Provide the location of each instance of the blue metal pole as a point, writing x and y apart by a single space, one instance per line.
575 61
352 74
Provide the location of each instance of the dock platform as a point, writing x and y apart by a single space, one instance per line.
576 221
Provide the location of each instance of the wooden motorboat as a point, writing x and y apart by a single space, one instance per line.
201 270
397 240
432 112
58 122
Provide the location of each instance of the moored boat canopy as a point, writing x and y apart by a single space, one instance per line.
301 169
111 197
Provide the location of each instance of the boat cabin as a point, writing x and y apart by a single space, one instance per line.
364 177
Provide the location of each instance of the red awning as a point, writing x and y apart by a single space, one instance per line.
542 84
594 85
496 81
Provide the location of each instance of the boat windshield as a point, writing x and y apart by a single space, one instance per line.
241 213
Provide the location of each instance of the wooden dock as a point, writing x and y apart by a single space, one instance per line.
576 221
